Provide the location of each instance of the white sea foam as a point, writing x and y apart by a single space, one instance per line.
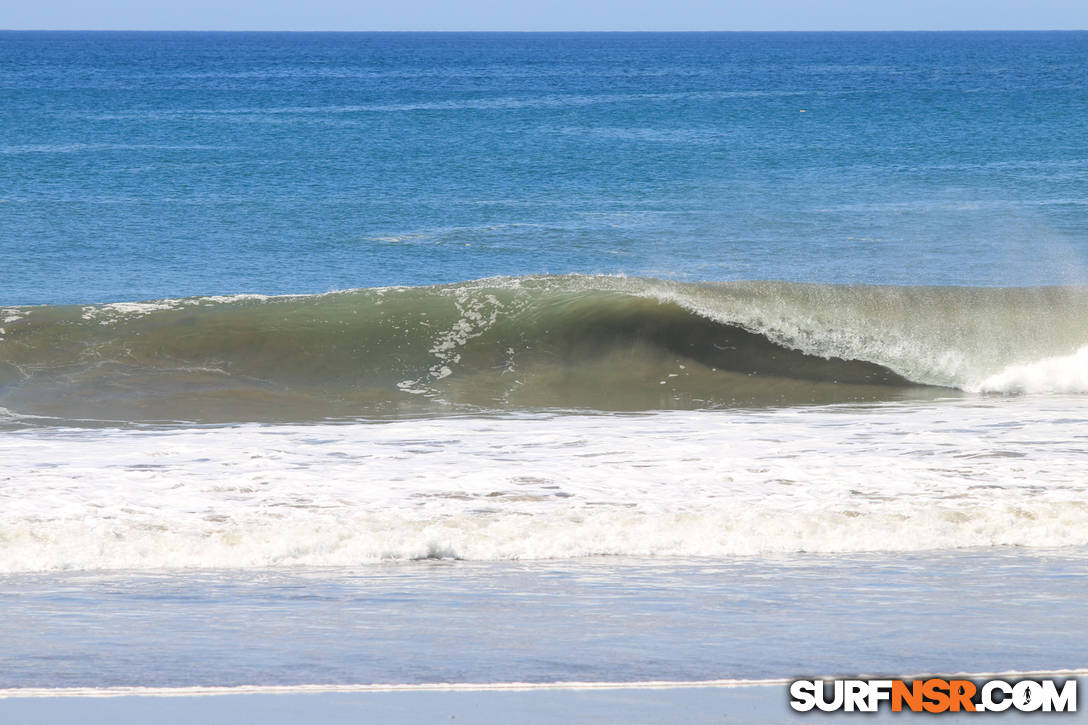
9 315
893 478
114 311
1063 374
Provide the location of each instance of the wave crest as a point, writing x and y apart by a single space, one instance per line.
571 341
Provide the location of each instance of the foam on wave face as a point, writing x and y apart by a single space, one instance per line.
889 478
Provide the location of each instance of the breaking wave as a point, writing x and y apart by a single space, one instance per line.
575 341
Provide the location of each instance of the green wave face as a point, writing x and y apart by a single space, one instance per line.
605 343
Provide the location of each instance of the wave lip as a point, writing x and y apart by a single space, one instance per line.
574 341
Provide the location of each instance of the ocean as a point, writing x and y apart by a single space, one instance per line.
408 358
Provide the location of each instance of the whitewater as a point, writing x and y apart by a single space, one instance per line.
892 477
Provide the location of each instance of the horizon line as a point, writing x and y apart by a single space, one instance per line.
543 32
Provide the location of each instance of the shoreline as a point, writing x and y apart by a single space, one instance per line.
599 703
436 687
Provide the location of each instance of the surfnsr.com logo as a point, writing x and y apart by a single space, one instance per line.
934 695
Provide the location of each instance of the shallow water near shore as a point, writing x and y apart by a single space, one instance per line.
617 619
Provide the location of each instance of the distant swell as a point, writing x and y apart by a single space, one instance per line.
593 342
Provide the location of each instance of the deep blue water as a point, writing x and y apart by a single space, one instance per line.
144 165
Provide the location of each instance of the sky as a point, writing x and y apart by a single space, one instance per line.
544 15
